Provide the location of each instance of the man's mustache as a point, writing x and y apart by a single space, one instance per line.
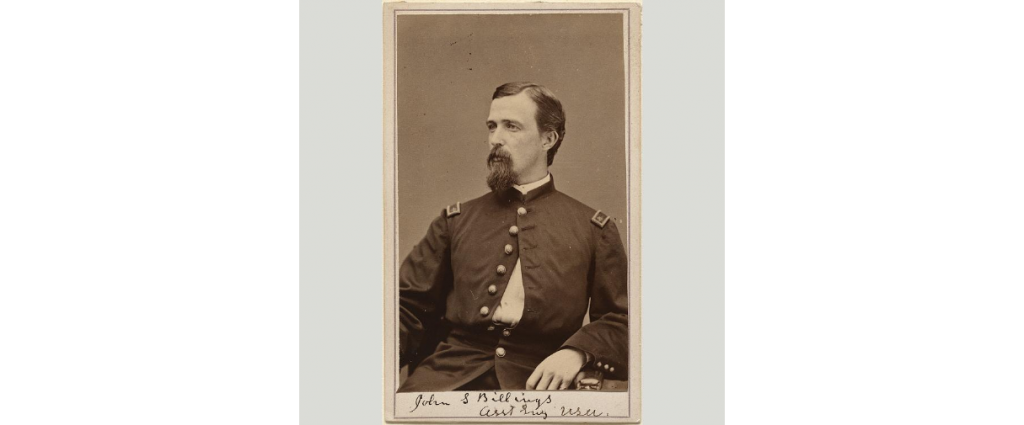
498 154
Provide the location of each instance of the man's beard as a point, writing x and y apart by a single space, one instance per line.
501 177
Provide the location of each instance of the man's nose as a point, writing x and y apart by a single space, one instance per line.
495 139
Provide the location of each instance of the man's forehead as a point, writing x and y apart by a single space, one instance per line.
517 107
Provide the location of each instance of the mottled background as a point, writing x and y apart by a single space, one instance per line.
448 67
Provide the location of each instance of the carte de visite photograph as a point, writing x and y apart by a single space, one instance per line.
512 212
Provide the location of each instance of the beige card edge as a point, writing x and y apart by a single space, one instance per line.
633 61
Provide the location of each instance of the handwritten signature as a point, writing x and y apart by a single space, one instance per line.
429 402
507 397
507 404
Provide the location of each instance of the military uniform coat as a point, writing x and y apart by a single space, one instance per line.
570 254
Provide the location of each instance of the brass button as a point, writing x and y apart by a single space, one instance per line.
506 332
606 366
611 370
500 352
509 248
490 328
484 310
501 270
514 230
521 211
492 289
598 364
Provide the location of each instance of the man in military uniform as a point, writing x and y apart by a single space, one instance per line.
513 272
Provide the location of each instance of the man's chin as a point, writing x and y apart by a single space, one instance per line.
499 185
501 180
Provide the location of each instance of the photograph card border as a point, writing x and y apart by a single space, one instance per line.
631 15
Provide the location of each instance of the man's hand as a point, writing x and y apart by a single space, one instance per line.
557 371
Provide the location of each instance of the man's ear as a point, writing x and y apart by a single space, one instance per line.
548 140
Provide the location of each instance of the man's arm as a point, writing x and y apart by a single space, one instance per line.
605 340
424 281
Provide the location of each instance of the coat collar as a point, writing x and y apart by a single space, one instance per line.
512 194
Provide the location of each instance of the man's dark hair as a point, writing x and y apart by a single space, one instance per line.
550 116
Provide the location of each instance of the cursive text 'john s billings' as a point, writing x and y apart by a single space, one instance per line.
428 402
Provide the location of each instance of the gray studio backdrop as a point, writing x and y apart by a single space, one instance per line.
447 68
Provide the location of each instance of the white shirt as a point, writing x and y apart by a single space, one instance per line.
512 301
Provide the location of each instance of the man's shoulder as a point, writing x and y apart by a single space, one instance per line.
583 211
457 207
569 202
475 203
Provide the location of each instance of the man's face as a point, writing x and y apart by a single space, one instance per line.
513 131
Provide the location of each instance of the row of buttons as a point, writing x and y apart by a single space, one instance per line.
492 289
501 269
606 367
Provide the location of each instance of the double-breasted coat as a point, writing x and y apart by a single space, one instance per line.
571 258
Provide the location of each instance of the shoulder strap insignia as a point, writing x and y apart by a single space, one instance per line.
454 210
600 219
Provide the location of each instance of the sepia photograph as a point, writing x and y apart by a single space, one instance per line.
511 211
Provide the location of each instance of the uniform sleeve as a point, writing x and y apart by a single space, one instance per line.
424 281
606 337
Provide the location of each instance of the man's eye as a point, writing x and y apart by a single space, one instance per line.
512 126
